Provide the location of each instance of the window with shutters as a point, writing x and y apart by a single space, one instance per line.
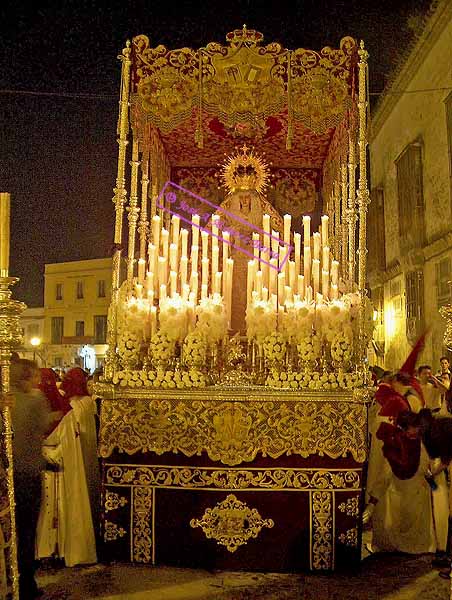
443 277
79 290
410 198
59 291
414 285
376 231
57 326
80 328
100 329
101 288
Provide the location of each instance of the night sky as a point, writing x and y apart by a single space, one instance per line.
58 147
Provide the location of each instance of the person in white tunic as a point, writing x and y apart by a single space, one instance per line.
72 446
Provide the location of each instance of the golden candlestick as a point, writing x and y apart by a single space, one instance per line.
10 336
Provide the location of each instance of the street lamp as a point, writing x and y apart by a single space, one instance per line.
35 342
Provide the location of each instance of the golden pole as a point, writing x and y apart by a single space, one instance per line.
344 230
133 211
351 213
10 336
143 226
363 192
119 201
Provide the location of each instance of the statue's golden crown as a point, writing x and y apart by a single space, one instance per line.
245 170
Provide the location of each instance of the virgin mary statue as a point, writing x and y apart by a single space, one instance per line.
245 176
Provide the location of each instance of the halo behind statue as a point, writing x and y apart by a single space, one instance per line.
245 170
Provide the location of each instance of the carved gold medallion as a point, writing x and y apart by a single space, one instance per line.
232 523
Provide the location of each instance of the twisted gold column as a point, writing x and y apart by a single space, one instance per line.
344 230
143 226
351 213
133 211
363 192
119 201
10 336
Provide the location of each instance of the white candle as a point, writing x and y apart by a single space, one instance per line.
274 300
250 281
334 272
266 224
325 282
162 293
156 232
325 230
215 219
259 283
185 292
173 283
195 230
316 275
151 297
141 269
256 246
184 242
287 225
139 290
309 294
319 298
217 282
326 258
265 251
307 265
297 252
152 257
204 291
288 295
307 230
272 273
194 285
275 243
230 272
175 222
316 238
334 292
204 271
149 281
225 257
183 268
165 241
194 258
215 259
173 257
265 294
205 243
292 274
281 287
301 290
162 270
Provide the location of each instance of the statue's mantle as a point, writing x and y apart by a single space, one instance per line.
234 426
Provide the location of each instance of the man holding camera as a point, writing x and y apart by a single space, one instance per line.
433 388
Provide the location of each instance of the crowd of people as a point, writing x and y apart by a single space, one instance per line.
56 468
409 491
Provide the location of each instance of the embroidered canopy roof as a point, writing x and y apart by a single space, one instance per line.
204 102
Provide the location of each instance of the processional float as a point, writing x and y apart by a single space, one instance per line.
234 413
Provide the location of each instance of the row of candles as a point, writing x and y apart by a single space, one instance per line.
312 275
171 271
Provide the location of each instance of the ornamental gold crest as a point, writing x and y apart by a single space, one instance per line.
232 523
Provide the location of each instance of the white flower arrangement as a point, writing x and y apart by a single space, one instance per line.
174 317
274 346
212 321
160 379
309 348
129 345
194 349
161 347
342 346
313 381
260 320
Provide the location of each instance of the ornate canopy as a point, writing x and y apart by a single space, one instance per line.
203 102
